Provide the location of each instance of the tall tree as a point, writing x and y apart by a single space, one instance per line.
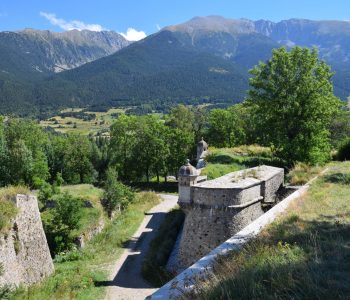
292 96
122 144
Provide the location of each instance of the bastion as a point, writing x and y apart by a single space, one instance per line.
217 209
24 252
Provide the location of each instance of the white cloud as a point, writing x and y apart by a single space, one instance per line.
133 35
74 24
158 27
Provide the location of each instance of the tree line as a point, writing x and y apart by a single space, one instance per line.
290 107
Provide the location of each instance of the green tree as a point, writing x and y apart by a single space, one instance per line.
292 98
122 145
181 117
116 194
77 166
180 145
152 147
62 222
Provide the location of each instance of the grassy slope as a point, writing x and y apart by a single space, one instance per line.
304 255
224 160
78 273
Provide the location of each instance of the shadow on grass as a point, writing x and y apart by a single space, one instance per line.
162 187
299 260
221 159
340 178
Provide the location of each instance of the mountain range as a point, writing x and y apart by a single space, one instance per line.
203 60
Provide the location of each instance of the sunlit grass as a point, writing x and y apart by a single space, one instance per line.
77 275
303 255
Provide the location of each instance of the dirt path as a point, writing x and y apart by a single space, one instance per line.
126 281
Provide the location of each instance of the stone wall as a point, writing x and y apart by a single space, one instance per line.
90 233
221 207
24 252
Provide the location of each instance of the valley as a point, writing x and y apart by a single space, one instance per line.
199 157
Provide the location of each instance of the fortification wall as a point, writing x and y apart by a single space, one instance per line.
219 208
24 252
206 228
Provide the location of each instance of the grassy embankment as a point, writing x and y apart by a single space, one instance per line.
78 272
221 161
88 193
303 255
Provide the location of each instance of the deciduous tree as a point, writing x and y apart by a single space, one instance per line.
292 96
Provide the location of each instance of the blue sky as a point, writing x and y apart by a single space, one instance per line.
149 15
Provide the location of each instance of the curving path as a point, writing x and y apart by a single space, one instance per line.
126 281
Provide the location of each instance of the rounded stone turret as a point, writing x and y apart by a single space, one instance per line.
187 177
188 170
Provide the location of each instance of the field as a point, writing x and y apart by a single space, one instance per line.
303 255
100 123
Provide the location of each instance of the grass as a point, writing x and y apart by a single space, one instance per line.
78 273
303 255
221 161
85 191
301 173
89 194
153 268
8 209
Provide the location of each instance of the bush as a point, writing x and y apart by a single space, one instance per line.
61 222
302 173
344 150
117 195
45 193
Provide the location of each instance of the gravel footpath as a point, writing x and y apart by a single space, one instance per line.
126 281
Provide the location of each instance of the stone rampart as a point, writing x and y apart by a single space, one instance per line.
219 208
24 252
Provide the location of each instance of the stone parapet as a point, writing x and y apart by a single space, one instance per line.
217 209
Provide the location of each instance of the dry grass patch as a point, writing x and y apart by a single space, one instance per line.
301 173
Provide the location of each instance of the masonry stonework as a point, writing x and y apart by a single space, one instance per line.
24 252
217 209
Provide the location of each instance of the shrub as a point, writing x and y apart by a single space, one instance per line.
45 193
61 222
302 173
344 150
117 195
